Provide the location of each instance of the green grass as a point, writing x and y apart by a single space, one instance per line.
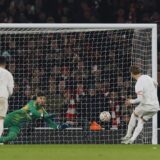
79 152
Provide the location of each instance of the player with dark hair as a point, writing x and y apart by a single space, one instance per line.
34 109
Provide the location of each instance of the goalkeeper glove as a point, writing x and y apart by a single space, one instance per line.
63 126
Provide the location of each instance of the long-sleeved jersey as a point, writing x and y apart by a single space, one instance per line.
27 114
6 83
15 120
145 89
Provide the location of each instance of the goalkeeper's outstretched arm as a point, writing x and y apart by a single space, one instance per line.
53 124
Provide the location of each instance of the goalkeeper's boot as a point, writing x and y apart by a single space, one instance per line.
129 141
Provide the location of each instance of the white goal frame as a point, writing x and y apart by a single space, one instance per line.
103 26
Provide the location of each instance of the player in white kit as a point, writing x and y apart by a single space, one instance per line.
148 105
6 90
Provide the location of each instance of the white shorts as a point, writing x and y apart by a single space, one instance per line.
143 112
3 107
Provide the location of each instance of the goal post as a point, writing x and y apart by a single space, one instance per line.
83 69
154 75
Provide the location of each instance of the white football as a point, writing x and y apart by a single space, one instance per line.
105 116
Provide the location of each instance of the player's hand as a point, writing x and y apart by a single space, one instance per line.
127 103
63 126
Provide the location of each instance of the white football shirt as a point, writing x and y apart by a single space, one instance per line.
6 83
147 87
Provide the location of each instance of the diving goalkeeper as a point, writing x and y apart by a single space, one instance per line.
32 110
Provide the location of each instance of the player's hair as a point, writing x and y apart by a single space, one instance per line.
2 60
40 94
135 70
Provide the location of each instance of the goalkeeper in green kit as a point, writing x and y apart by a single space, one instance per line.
32 110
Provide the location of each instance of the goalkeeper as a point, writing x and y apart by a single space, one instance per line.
32 110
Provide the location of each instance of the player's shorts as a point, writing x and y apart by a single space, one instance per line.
143 112
3 107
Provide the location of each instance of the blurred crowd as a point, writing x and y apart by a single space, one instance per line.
79 11
81 73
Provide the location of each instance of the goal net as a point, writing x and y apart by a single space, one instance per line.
83 71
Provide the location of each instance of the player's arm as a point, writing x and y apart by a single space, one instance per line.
32 111
51 123
10 85
37 114
155 83
41 113
138 99
139 92
48 119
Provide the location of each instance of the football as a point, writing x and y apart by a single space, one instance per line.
105 116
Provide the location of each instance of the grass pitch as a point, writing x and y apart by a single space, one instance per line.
79 152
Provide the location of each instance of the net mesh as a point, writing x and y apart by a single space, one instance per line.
82 72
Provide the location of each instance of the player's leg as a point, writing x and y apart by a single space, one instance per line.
138 112
53 124
3 111
131 126
145 117
1 125
137 130
12 134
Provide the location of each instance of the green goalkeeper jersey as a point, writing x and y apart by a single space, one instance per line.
15 120
28 113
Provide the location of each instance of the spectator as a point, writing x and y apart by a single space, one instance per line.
77 11
74 64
